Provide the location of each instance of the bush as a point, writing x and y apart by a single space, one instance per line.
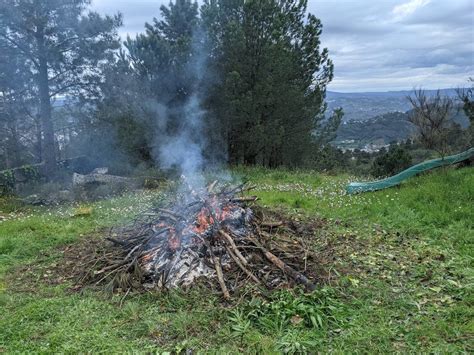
391 163
10 179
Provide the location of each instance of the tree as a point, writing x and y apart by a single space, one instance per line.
255 67
123 116
466 95
327 131
391 162
148 85
63 48
272 74
9 95
161 57
432 118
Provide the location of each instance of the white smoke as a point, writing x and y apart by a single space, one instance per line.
184 150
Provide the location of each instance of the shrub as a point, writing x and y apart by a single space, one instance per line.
391 163
11 178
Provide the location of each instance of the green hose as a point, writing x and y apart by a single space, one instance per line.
355 187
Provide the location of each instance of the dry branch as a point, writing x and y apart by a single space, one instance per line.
210 188
232 245
271 224
295 275
242 267
220 275
244 199
173 246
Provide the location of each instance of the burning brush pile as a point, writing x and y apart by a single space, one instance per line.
208 235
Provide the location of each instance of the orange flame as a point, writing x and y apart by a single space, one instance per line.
203 221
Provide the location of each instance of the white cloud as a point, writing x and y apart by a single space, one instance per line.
375 44
409 8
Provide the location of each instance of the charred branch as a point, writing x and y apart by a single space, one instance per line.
216 237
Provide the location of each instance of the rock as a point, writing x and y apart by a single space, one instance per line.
65 196
79 179
34 200
101 171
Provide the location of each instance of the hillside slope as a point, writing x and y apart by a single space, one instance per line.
384 129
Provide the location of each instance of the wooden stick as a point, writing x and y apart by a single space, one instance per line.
295 275
210 188
271 224
151 214
229 239
239 264
132 251
116 241
244 199
168 217
169 212
220 275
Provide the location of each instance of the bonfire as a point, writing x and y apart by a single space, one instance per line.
212 234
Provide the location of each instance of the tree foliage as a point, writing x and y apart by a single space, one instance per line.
254 72
256 68
16 102
466 95
391 162
269 100
63 49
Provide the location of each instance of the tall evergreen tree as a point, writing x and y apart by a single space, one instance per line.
270 99
162 54
14 100
63 48
156 76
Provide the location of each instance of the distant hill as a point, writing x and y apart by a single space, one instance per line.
379 130
361 106
382 130
374 119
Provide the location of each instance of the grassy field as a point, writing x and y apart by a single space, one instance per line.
398 263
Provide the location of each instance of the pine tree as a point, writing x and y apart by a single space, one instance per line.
63 48
270 98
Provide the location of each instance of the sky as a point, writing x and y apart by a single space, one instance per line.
376 45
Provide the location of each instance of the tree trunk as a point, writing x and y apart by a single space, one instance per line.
39 140
10 142
49 154
13 144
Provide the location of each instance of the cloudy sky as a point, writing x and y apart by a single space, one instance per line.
376 45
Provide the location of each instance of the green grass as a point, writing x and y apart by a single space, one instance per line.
437 205
401 266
